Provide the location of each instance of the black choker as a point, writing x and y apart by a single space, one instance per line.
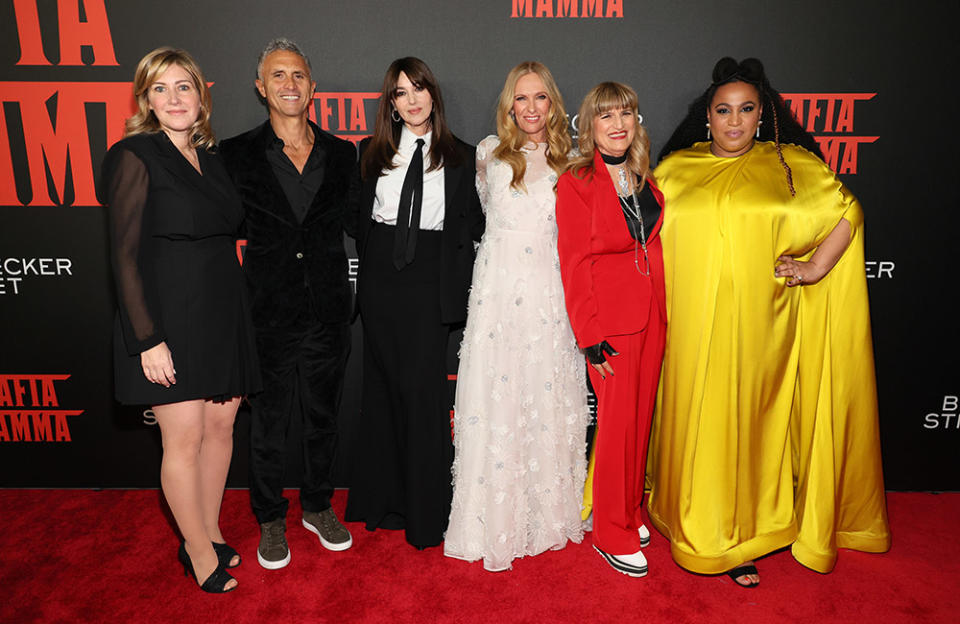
614 160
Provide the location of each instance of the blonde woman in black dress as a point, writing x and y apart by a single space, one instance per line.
183 342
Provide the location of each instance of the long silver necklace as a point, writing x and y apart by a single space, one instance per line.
633 211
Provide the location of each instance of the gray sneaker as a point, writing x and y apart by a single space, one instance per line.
332 534
273 552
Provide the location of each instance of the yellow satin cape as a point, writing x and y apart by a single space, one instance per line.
765 433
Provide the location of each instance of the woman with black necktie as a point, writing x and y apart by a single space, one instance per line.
419 217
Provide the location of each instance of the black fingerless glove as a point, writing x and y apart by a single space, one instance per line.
595 353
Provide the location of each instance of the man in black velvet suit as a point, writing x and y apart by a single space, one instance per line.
297 183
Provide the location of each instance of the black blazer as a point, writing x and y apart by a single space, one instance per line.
172 233
296 272
463 223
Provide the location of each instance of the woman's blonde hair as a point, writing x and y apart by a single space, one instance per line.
604 97
512 138
149 69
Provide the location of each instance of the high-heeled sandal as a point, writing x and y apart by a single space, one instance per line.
213 584
225 554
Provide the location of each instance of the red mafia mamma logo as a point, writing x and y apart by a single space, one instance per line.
59 149
829 117
53 145
566 8
350 115
28 409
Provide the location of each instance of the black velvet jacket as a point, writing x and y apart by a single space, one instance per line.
463 223
296 272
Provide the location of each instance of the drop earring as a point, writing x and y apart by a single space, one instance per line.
759 123
708 130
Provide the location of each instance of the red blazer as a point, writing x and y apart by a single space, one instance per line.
605 294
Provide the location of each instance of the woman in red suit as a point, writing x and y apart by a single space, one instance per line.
609 214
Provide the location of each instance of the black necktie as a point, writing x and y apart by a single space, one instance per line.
408 217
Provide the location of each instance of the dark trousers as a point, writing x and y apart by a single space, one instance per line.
303 379
403 481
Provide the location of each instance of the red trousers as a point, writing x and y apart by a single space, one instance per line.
624 411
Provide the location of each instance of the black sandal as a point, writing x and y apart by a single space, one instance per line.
213 584
226 553
743 570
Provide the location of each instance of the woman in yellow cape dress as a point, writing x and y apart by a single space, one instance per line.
765 433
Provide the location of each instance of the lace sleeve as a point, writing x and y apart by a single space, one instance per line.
126 181
484 156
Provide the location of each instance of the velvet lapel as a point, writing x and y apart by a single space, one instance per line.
325 146
368 188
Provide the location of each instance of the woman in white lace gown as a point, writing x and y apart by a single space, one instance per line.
521 409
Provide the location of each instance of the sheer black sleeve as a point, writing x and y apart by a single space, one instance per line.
125 184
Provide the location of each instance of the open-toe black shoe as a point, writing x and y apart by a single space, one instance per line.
743 571
225 554
213 584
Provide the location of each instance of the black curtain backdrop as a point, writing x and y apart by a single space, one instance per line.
873 80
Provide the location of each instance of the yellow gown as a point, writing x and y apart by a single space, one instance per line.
765 432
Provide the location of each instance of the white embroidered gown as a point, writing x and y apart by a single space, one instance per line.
521 404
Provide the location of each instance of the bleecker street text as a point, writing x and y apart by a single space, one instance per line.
14 270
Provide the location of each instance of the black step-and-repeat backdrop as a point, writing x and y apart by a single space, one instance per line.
874 81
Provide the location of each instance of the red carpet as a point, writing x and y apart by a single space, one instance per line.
83 556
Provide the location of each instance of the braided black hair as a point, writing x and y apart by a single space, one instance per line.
778 124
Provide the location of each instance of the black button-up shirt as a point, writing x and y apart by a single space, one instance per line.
300 188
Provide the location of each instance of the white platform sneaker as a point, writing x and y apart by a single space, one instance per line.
632 565
644 536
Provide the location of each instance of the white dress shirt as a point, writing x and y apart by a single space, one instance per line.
387 199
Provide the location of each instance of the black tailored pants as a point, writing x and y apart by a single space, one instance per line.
401 475
302 378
